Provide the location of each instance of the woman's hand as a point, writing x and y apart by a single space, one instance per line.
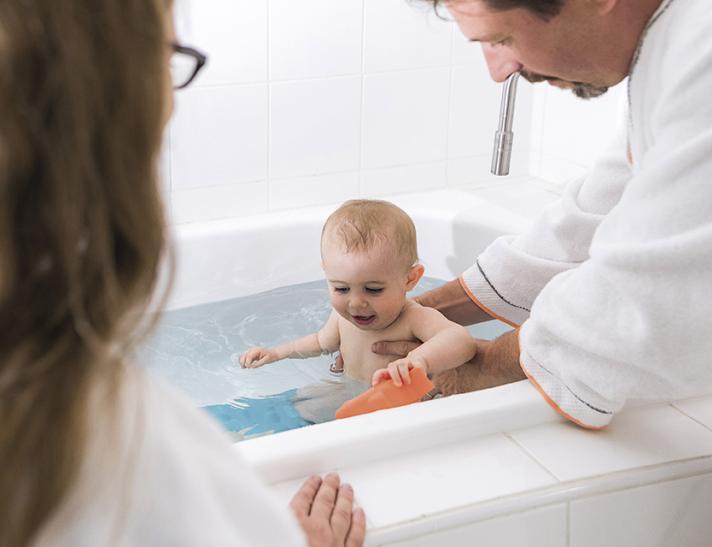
324 510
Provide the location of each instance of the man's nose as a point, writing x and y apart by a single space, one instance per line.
500 62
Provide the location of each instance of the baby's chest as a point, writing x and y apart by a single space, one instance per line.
359 360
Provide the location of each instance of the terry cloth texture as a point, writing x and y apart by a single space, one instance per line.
613 284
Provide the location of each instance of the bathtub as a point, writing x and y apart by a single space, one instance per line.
497 467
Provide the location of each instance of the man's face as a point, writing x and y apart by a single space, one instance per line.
560 51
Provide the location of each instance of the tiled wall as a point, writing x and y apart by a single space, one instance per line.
306 102
568 133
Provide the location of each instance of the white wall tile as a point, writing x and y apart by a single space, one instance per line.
219 136
315 38
405 117
400 34
699 409
636 437
667 514
319 190
463 51
409 178
233 33
545 527
215 202
572 132
474 171
315 126
474 111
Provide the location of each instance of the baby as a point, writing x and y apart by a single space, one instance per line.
369 257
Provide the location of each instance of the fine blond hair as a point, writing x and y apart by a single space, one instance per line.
363 224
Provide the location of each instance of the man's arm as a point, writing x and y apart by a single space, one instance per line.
495 363
453 302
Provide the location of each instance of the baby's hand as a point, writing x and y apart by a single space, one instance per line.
256 357
399 371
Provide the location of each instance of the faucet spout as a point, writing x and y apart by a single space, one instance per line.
502 152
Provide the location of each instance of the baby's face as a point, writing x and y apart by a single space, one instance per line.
367 288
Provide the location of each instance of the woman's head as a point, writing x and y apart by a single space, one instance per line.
83 100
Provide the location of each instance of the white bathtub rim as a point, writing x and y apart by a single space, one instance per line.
385 434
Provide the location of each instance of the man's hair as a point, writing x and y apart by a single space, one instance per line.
362 224
544 9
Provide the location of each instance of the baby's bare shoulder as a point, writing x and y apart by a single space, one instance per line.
416 313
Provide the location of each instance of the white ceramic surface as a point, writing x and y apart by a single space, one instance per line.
405 117
407 178
315 126
212 142
418 40
699 409
314 39
544 527
234 35
636 437
668 514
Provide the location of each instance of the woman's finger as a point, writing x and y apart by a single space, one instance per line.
357 532
341 515
325 498
302 501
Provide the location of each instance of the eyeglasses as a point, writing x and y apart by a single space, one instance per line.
186 62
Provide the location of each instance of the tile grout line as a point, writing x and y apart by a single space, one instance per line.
269 109
531 457
568 524
450 92
362 110
691 418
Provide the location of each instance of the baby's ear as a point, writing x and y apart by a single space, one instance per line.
414 275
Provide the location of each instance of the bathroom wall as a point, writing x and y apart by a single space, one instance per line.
307 102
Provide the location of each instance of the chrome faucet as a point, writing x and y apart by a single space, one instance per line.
502 153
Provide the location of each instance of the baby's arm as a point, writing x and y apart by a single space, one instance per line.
326 340
445 345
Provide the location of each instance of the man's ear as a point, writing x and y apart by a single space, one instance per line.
414 275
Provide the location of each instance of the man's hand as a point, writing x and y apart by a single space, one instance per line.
394 349
495 363
453 302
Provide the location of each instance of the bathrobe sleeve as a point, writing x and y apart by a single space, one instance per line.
163 473
634 320
509 275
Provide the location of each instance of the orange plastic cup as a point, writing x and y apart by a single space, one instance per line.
387 395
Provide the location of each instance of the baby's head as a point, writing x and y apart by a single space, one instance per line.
370 258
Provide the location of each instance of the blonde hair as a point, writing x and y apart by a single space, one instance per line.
362 224
81 229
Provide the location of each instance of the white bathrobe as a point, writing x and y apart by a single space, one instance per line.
612 285
164 475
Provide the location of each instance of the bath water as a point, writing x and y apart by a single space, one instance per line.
193 349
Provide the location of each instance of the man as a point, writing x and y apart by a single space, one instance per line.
610 290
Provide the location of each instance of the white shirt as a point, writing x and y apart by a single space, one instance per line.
612 285
164 475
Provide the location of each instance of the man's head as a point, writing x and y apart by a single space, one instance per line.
369 255
582 45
